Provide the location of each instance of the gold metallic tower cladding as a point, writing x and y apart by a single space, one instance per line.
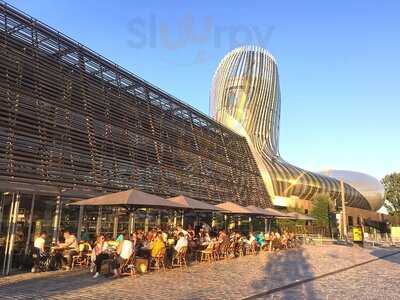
245 97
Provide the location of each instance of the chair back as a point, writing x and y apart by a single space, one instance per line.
182 251
162 252
210 246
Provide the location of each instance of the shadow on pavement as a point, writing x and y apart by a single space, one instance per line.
284 268
48 284
389 254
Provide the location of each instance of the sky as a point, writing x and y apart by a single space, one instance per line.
338 64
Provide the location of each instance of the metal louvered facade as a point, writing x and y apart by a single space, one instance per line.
245 97
73 120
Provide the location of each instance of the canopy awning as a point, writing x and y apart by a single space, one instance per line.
189 203
130 198
298 216
274 212
257 211
233 208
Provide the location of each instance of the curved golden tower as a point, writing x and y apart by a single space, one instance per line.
245 97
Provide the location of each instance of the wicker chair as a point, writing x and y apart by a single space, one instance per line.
240 248
231 249
179 260
253 248
81 260
223 250
128 267
158 262
208 253
216 251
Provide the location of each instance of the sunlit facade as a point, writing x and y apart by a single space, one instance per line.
245 97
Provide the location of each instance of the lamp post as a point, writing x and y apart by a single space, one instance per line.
344 218
329 219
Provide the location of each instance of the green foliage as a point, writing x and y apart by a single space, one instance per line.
391 183
322 205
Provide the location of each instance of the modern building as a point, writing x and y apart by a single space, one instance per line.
74 124
245 97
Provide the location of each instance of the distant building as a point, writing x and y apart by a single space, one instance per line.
245 97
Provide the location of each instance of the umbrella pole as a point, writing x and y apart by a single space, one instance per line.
265 225
226 221
130 223
115 225
98 221
159 218
213 220
183 218
133 220
250 225
269 225
174 218
146 221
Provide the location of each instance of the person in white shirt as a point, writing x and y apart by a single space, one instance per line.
124 251
38 250
40 242
182 242
179 229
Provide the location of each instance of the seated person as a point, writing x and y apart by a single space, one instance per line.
222 237
205 238
250 240
120 237
182 242
100 253
70 247
38 250
158 245
124 252
260 240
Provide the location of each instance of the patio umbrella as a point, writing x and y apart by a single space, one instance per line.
258 211
192 204
274 213
189 203
230 208
233 208
130 198
267 213
298 216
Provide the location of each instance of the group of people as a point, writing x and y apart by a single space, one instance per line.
62 252
148 245
275 240
155 243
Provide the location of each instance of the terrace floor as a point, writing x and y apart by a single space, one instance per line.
256 277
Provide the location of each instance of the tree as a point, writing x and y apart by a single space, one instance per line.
322 206
391 183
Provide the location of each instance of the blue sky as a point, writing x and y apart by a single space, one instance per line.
338 64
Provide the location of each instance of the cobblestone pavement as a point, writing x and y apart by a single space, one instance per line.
375 280
230 279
